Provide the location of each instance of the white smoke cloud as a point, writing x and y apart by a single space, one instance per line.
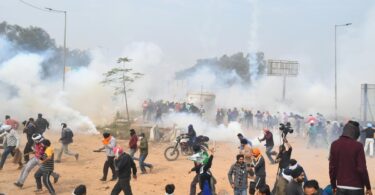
215 133
305 93
86 100
27 94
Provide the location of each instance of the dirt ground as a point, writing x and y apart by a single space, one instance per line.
88 169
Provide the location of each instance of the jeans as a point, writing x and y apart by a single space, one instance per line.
33 162
240 191
7 151
269 153
142 163
109 163
65 149
47 183
132 151
349 192
122 185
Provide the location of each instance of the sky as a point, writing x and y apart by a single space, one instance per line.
189 30
175 33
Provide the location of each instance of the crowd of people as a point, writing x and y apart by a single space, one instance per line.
154 110
41 149
247 175
319 131
347 167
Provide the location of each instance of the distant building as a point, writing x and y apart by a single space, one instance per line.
202 98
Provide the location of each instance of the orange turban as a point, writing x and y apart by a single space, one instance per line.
256 152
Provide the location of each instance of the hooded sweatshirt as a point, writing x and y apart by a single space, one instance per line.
347 162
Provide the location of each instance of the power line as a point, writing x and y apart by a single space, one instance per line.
33 6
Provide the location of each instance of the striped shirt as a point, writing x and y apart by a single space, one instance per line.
11 138
49 164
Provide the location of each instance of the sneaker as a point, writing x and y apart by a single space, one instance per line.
103 179
18 184
56 179
77 155
113 179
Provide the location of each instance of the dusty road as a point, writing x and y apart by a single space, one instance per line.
88 169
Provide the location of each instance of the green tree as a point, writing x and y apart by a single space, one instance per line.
36 40
120 78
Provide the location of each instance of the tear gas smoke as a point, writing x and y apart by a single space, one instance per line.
214 132
25 93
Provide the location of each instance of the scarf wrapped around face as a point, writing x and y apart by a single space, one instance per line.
106 140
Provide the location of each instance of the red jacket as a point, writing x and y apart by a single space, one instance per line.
347 164
133 142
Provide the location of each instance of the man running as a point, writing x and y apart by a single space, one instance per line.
109 142
46 169
269 144
12 143
42 124
125 166
66 139
38 150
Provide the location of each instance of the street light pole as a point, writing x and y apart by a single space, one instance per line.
64 68
340 25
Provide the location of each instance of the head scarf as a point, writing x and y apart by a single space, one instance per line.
106 140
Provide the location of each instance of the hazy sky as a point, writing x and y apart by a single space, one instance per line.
166 33
192 29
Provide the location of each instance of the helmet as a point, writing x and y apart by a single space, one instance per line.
37 138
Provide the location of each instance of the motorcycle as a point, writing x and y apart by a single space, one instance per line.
171 153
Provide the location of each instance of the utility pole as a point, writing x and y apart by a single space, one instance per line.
64 65
340 25
46 9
